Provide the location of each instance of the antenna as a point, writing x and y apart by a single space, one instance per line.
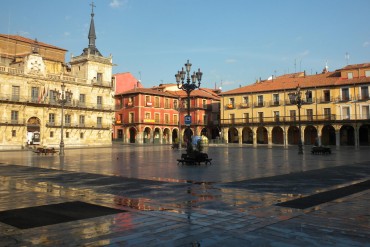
347 57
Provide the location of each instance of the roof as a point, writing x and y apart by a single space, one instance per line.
291 81
125 82
29 41
147 91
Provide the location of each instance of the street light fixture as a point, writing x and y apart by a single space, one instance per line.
295 98
63 96
188 86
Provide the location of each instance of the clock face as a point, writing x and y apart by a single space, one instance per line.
35 65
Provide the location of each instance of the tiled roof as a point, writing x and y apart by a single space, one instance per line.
357 66
147 91
282 83
29 41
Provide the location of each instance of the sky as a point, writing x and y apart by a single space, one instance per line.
233 42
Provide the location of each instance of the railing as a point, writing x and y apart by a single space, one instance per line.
52 102
20 71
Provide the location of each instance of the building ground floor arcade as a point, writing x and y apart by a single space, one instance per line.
147 134
354 134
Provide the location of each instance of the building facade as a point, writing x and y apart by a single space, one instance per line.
334 111
156 115
32 74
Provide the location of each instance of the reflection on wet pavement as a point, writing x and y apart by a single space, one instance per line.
230 202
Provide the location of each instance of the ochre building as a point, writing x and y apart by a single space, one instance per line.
334 109
31 77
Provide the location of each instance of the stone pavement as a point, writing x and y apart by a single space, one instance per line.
189 206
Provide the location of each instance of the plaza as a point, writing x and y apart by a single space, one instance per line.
234 201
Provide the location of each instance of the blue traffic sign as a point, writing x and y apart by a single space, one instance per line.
187 120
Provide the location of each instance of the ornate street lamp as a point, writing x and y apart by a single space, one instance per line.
188 86
64 96
295 98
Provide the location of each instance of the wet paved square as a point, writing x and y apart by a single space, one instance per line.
231 202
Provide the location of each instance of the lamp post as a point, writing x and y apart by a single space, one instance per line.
295 98
63 98
188 86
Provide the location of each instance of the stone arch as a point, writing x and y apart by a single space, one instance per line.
33 131
364 135
247 135
293 135
310 135
147 135
166 136
132 135
175 135
157 133
277 135
347 135
328 135
262 135
233 135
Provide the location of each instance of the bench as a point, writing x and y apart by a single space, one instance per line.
320 150
194 159
45 151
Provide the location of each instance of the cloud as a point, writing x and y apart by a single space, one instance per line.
366 44
230 60
117 3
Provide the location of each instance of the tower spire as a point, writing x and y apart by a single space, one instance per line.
92 35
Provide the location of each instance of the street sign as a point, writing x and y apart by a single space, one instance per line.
187 120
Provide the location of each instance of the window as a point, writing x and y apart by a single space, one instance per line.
51 134
81 135
147 100
166 119
345 94
14 133
327 113
67 134
350 75
293 115
156 101
14 117
175 119
245 100
35 94
260 117
51 119
82 121
175 104
231 102
205 119
167 103
346 112
246 117
232 118
204 103
67 120
275 98
309 96
82 99
367 73
309 113
260 100
15 93
364 93
326 95
276 116
53 96
99 77
99 102
99 121
147 115
156 117
131 117
365 112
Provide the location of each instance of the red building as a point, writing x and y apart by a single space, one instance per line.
156 115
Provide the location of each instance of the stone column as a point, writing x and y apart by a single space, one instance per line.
337 137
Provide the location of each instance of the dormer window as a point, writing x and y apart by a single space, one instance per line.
350 75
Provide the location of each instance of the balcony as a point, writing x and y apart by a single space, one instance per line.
259 104
244 105
275 103
230 106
